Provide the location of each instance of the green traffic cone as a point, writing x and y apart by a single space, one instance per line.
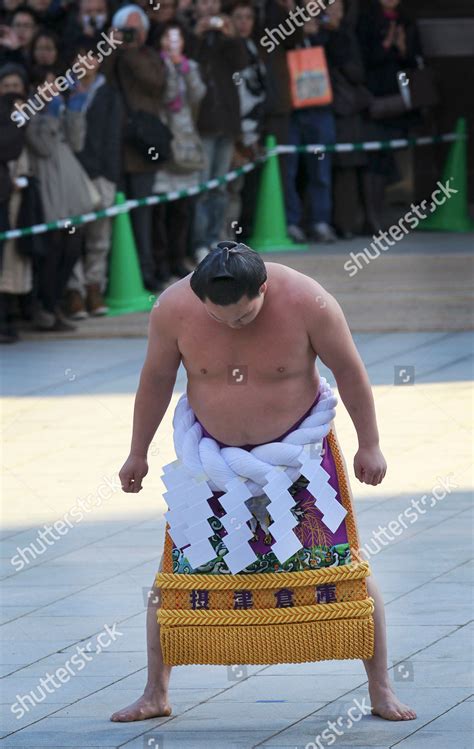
125 292
269 234
453 215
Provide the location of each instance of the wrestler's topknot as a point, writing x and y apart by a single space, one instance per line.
228 273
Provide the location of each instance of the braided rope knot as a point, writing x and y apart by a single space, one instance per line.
223 464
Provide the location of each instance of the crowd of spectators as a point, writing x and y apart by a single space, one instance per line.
82 86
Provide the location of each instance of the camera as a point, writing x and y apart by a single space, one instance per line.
216 22
128 34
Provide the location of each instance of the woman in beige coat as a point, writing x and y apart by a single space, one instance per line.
53 135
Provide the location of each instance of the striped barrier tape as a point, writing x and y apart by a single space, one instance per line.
211 184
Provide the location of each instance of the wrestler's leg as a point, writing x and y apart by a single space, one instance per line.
383 700
154 701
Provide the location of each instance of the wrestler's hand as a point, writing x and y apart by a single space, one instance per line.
370 466
132 473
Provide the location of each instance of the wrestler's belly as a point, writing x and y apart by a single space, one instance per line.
249 412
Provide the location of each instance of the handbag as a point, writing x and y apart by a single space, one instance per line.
309 77
145 131
420 85
417 88
187 153
384 107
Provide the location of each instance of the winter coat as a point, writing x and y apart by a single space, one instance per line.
183 94
65 188
16 276
139 75
102 150
351 100
278 100
252 92
219 57
12 140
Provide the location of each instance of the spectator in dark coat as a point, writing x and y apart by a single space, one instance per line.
389 44
11 143
137 70
315 124
353 210
101 158
220 54
15 269
278 105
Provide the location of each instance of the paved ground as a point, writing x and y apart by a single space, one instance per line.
67 412
424 283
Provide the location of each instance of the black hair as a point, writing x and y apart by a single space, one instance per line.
228 273
163 28
29 11
47 33
82 43
38 74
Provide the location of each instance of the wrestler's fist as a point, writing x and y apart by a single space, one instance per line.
132 473
370 466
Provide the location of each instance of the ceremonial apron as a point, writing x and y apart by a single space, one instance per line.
261 560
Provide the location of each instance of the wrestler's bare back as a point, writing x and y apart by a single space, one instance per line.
252 383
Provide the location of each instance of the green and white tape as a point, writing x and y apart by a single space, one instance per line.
166 197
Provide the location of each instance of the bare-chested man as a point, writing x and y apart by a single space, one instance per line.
276 322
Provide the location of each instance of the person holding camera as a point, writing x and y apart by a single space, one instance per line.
184 93
220 54
138 71
315 124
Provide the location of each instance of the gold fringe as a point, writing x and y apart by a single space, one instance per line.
262 580
245 617
337 639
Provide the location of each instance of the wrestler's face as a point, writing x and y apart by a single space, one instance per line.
237 315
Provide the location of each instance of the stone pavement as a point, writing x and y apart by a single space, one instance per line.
67 415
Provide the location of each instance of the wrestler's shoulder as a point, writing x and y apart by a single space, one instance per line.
175 298
292 283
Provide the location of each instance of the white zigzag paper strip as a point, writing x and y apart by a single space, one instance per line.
188 512
324 494
286 542
239 554
199 553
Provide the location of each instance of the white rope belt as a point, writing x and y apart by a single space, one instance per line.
203 468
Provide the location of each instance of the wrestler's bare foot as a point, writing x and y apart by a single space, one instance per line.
146 707
385 703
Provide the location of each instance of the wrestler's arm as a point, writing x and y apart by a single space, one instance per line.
332 342
154 392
